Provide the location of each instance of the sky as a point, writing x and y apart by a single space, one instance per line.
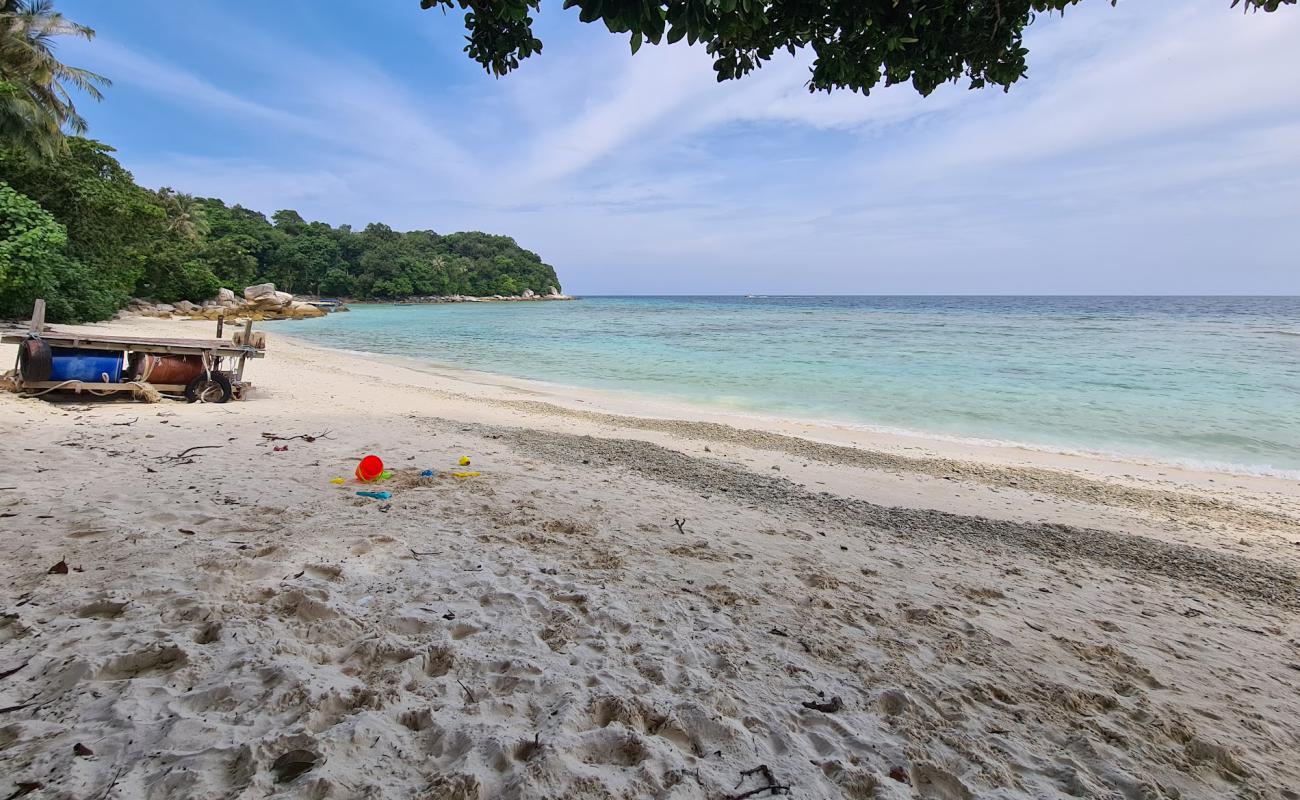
1153 149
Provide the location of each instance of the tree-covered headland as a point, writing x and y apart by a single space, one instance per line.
77 230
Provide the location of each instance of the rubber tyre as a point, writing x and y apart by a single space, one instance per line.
210 388
35 360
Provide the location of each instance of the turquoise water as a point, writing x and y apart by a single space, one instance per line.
1205 380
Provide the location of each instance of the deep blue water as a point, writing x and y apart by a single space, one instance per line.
1210 380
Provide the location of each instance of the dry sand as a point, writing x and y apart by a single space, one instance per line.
865 616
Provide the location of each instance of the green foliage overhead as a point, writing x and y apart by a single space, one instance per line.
35 102
856 43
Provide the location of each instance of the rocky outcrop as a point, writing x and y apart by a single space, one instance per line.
528 296
302 311
264 301
259 302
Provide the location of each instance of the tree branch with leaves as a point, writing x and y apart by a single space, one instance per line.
857 44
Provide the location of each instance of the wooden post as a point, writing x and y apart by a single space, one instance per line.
248 332
38 317
221 321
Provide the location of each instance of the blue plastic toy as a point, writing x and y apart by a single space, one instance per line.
376 495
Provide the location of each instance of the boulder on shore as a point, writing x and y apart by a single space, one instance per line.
298 310
225 296
257 292
273 301
528 294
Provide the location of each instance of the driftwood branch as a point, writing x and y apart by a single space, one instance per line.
306 437
773 787
113 782
187 455
680 524
8 672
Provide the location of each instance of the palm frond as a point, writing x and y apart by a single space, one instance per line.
38 104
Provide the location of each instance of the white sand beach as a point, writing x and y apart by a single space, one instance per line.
840 614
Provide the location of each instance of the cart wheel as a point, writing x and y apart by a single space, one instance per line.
213 387
35 360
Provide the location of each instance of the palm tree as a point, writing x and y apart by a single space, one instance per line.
36 105
184 214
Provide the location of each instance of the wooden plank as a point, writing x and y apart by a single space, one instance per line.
178 347
73 386
116 387
38 317
56 336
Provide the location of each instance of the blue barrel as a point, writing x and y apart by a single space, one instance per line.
90 366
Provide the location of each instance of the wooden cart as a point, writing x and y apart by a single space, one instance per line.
222 356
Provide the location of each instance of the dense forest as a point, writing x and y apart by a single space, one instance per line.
77 230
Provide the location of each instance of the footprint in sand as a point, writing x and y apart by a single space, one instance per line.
616 746
208 633
159 658
438 660
934 783
102 609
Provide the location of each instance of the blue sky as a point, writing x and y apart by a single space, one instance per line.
1155 148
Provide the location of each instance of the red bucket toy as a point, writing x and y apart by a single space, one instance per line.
370 468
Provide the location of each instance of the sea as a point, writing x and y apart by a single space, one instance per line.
1210 382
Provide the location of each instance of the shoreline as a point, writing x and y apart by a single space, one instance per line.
619 604
623 401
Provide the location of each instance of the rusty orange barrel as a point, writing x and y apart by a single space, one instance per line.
165 369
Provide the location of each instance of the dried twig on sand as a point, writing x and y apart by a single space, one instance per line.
306 437
8 672
679 524
773 786
187 455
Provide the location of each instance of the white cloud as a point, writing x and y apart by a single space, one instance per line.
1151 145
